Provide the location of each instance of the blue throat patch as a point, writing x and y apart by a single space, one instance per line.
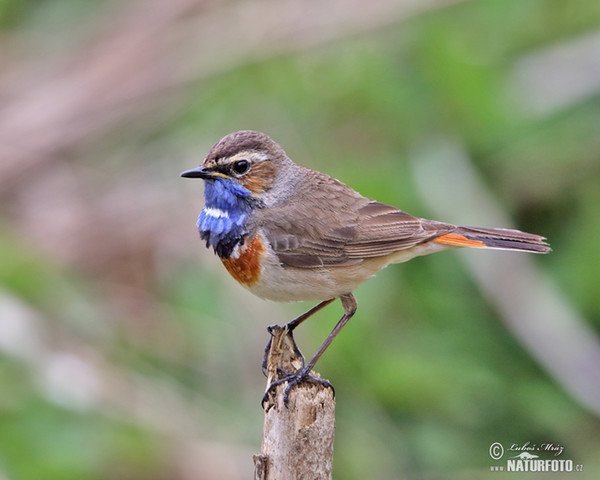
222 221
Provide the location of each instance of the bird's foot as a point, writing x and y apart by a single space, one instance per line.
293 379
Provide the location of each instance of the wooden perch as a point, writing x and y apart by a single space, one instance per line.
298 438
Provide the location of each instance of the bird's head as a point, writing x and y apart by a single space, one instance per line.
247 163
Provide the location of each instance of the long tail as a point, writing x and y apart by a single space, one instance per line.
497 238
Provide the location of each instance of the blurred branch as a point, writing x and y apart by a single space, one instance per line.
559 76
76 375
143 52
298 437
533 309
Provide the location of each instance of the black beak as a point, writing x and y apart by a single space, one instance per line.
199 172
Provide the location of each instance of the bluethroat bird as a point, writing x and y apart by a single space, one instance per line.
288 233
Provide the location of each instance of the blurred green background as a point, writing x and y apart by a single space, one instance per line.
126 352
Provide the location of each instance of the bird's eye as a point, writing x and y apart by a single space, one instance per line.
241 166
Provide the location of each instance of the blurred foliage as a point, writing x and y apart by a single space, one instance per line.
426 375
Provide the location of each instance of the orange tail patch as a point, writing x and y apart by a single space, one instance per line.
459 241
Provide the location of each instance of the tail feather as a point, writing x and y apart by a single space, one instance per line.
496 238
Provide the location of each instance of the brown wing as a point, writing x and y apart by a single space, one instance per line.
382 229
330 224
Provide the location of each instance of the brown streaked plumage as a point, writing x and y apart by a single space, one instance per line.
307 236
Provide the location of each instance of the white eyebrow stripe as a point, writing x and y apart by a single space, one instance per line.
216 212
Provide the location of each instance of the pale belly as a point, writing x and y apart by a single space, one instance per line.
288 284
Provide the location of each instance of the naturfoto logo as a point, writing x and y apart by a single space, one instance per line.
527 455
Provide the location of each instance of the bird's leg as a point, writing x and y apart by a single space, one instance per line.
290 326
298 320
349 304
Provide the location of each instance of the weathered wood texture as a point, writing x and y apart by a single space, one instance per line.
298 438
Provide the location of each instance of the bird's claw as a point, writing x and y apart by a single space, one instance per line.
292 380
